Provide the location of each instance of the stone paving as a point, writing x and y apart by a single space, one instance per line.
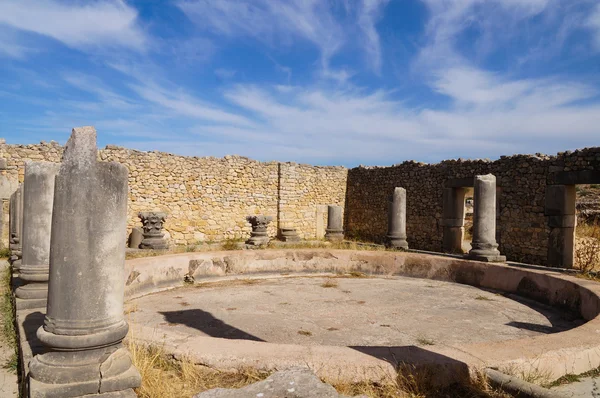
346 312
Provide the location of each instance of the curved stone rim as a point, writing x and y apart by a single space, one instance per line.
574 351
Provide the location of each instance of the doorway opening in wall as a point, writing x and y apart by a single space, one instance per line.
587 227
468 221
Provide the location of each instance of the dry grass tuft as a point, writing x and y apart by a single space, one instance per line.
532 375
415 383
587 247
165 377
7 316
226 283
305 332
422 340
329 283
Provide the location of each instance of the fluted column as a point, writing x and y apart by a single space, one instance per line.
38 198
335 217
84 325
396 236
484 246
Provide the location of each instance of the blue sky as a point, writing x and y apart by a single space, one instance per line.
343 82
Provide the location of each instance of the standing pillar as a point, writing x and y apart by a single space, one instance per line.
396 236
15 227
38 198
562 220
484 246
454 220
334 231
84 325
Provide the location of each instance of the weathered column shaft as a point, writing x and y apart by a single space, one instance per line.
562 220
38 199
484 246
16 227
84 324
335 217
396 236
453 219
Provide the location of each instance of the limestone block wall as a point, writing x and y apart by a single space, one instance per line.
208 199
302 189
522 180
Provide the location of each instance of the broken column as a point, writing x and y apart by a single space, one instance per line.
396 236
484 246
289 234
259 235
335 217
15 227
154 237
38 198
453 219
84 324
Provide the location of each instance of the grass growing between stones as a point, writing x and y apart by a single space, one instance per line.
7 314
165 377
587 247
329 283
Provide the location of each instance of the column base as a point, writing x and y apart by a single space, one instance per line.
492 258
30 304
154 244
289 235
396 242
110 375
334 236
258 241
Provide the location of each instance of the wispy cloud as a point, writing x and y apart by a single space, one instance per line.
109 23
369 14
594 24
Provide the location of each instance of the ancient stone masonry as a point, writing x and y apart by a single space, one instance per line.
335 217
84 324
396 236
154 237
259 235
207 199
38 199
523 227
484 246
16 227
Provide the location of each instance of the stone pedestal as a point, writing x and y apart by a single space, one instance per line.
259 236
84 325
396 236
335 218
154 237
15 228
38 199
484 246
289 234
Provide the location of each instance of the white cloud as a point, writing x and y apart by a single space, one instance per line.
593 23
225 73
79 25
279 23
369 14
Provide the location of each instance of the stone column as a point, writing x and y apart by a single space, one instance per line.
84 325
396 236
335 217
38 199
454 219
15 228
152 222
484 246
562 220
259 235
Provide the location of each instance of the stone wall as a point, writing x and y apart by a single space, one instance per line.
522 225
208 199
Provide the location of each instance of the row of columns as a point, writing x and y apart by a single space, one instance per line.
73 229
483 247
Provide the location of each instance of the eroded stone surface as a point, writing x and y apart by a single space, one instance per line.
291 383
352 312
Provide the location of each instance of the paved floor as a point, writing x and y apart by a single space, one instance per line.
353 312
588 387
8 378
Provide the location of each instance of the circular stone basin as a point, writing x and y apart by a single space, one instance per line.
375 311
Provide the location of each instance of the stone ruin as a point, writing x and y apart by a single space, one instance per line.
74 219
259 236
154 236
